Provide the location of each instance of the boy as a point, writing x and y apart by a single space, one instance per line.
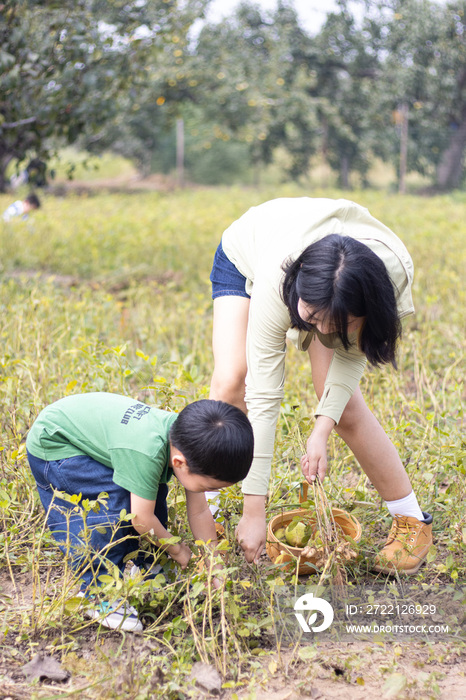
101 442
22 208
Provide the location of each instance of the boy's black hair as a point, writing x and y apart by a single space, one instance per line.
33 200
339 277
215 438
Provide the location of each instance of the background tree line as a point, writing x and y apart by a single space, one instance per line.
118 74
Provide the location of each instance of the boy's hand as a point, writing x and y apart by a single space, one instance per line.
180 553
217 583
146 523
251 531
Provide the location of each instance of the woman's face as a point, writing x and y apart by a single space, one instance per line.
324 326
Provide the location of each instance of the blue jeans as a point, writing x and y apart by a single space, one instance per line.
94 541
226 279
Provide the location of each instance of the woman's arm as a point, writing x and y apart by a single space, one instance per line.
265 379
336 390
343 377
266 350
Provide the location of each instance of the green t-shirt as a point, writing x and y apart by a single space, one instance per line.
126 435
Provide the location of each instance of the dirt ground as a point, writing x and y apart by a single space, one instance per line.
414 677
121 183
333 671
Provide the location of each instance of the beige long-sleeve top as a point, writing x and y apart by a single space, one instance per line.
258 244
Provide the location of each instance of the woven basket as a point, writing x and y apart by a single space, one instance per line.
281 553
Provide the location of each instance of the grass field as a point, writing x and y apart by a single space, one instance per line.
111 293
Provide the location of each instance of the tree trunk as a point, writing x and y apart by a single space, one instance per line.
450 168
4 182
180 152
403 148
344 172
324 146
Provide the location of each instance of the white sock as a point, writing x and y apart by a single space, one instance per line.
405 506
213 499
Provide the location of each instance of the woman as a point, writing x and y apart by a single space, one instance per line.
335 281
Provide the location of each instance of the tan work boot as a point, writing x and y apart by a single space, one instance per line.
407 545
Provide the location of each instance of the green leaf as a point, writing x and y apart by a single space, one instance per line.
394 685
168 541
307 653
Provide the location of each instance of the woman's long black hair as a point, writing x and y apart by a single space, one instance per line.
340 277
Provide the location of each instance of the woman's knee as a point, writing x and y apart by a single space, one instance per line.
229 387
353 415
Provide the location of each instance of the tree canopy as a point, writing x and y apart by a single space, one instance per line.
118 73
65 64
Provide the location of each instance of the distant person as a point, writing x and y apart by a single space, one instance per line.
100 442
18 179
22 207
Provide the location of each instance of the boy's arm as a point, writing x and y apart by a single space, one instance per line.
200 518
202 526
145 521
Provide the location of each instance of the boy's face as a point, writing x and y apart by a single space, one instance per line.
198 483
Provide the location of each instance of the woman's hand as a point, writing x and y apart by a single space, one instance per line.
252 530
314 462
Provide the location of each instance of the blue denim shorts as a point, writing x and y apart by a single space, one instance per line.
80 536
226 279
